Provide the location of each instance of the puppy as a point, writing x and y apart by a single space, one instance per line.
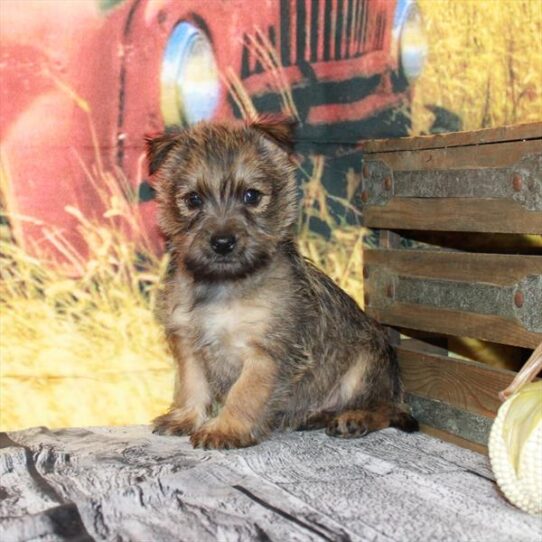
253 326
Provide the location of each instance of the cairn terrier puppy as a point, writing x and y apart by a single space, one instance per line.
252 325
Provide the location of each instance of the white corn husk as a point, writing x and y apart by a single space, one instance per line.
515 442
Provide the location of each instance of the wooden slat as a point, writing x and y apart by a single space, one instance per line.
454 214
498 213
454 439
463 384
449 322
497 155
445 417
433 291
516 132
462 266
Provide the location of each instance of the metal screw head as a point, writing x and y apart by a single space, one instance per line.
517 182
389 290
364 196
519 299
387 183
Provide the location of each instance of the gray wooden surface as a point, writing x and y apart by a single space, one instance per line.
123 484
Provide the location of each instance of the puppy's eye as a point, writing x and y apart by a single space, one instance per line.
252 197
194 200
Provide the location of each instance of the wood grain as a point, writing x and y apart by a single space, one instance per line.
462 423
462 384
454 439
516 132
454 214
125 483
462 266
497 155
478 326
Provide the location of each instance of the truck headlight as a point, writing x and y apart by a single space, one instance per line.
190 83
409 33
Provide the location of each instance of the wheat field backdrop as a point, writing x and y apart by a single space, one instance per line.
87 351
484 63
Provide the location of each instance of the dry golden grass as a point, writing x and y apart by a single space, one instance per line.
485 62
87 351
340 256
83 351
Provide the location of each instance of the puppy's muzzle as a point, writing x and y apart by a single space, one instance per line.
223 244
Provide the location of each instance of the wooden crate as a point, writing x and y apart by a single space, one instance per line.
452 260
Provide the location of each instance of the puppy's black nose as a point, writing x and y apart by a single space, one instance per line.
223 244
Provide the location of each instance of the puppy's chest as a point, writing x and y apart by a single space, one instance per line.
226 335
233 326
223 333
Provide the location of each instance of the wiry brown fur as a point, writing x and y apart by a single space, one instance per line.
260 330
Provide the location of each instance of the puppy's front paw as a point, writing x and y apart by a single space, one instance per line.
220 434
348 425
178 421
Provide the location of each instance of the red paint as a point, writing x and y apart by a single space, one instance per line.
58 57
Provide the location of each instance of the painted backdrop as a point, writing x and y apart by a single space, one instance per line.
84 80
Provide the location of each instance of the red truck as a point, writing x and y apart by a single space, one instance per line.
83 82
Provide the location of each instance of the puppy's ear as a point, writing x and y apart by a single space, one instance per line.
278 129
158 147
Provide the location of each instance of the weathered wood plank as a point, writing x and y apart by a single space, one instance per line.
462 266
492 188
454 439
454 214
467 385
125 483
486 182
520 182
497 155
456 421
451 322
442 291
517 132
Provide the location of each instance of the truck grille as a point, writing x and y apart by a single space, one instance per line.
323 31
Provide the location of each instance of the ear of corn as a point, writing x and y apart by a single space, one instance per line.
515 442
523 417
